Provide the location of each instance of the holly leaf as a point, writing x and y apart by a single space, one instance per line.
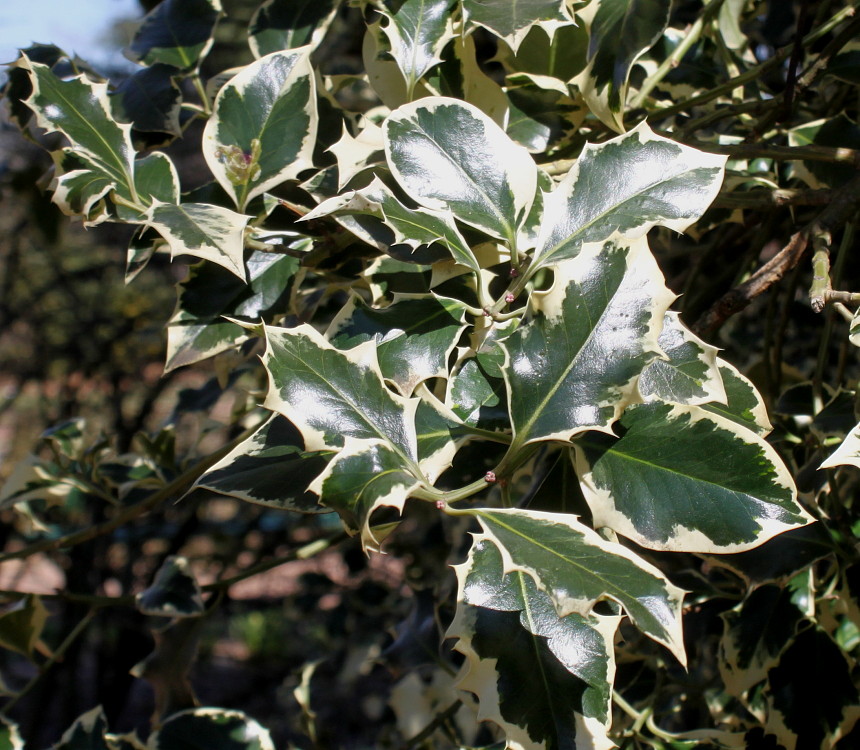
627 185
174 592
202 230
80 109
576 568
447 154
414 337
743 404
150 100
416 32
177 33
478 398
660 486
22 623
87 732
620 31
270 468
330 395
212 728
412 227
574 364
286 24
264 125
10 735
546 680
199 328
690 375
513 21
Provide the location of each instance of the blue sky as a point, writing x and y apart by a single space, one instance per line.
78 26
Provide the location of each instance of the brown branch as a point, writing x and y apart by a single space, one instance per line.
845 202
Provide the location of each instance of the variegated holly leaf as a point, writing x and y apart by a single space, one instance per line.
574 364
264 125
448 154
576 568
848 452
690 375
354 154
478 398
287 24
546 680
88 731
755 633
155 179
683 479
332 395
620 31
270 468
382 72
414 337
743 404
512 21
439 432
80 109
177 33
416 32
10 735
210 295
628 185
366 475
549 60
78 191
174 592
202 230
411 227
212 728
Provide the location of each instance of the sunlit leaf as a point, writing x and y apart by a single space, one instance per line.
202 230
264 126
661 486
744 403
512 20
626 185
546 680
575 363
212 728
577 568
414 337
449 155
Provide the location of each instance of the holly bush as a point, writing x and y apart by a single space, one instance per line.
437 284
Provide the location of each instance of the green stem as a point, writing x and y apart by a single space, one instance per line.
201 92
673 60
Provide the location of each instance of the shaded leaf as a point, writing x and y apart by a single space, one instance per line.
199 328
202 230
150 100
575 363
22 623
287 24
577 568
628 185
211 728
264 125
512 20
478 398
690 375
174 592
449 155
545 679
177 33
686 480
270 468
414 337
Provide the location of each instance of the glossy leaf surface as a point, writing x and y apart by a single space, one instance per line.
177 33
264 125
660 486
512 20
287 24
214 728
